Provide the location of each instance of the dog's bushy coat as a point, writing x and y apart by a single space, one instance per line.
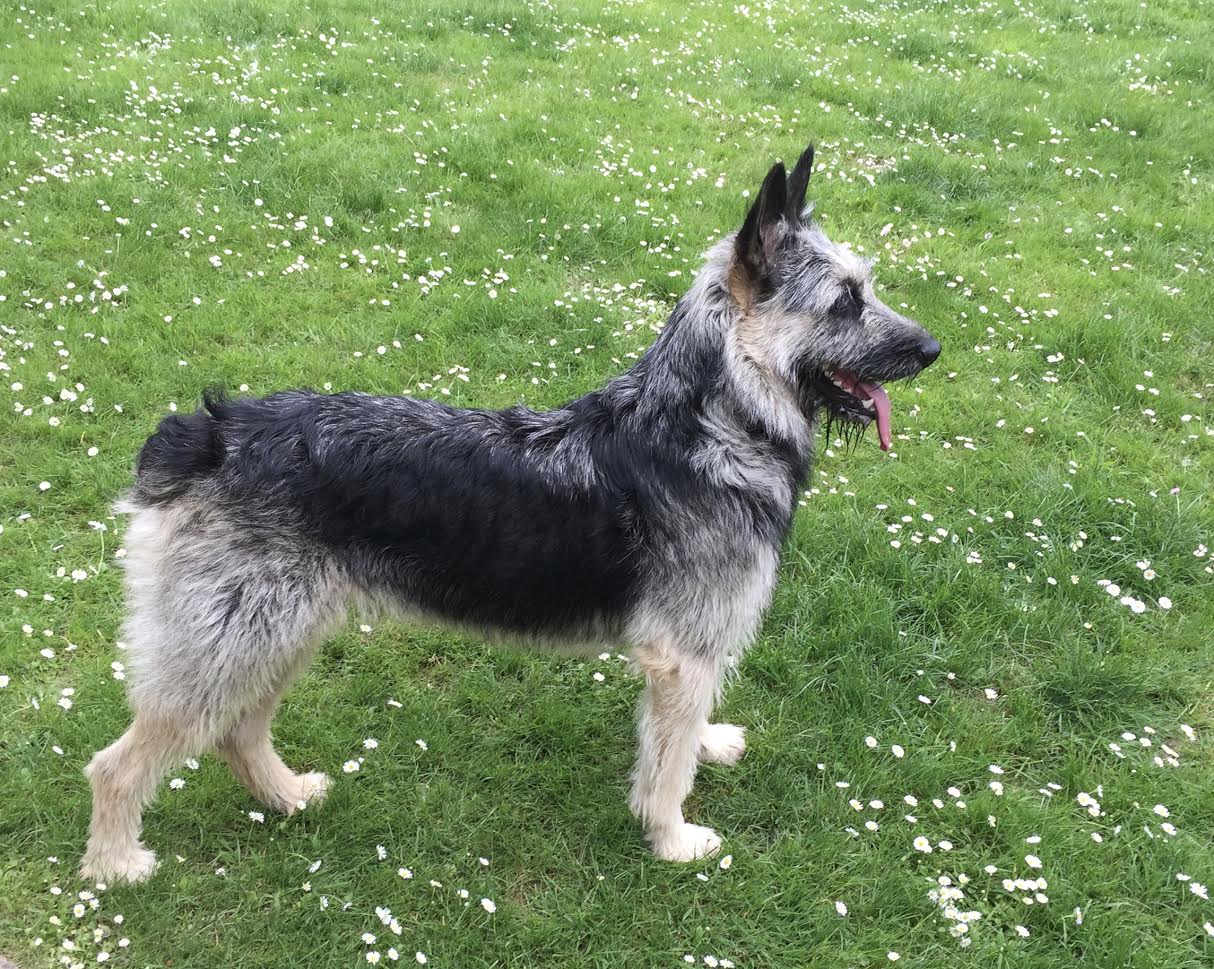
649 514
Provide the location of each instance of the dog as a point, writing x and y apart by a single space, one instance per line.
648 515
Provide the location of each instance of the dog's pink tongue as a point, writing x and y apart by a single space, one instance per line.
871 390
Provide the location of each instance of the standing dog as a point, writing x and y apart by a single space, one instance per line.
649 513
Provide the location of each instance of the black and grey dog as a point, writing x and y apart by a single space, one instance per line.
648 515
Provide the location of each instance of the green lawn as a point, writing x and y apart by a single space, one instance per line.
501 201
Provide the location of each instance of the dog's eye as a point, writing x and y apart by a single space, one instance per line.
849 303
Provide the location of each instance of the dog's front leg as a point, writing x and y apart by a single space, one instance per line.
680 687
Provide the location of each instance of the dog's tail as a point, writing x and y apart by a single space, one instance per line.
183 449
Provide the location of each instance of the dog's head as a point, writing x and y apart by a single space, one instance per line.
810 313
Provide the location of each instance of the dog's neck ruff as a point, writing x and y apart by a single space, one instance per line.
707 354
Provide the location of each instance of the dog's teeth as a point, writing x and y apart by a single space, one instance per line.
868 404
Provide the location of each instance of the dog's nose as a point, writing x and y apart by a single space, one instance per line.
929 349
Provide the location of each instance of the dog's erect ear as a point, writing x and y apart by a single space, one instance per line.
751 246
798 181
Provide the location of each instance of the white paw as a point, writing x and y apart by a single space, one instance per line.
312 790
134 866
722 743
687 842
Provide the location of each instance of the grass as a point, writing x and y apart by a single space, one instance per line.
265 194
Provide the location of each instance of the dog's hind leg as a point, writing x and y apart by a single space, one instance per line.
249 752
288 627
679 692
167 728
124 778
221 620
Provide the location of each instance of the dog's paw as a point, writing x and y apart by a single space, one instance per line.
312 790
687 842
722 743
136 865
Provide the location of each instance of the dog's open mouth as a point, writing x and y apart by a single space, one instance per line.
854 399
